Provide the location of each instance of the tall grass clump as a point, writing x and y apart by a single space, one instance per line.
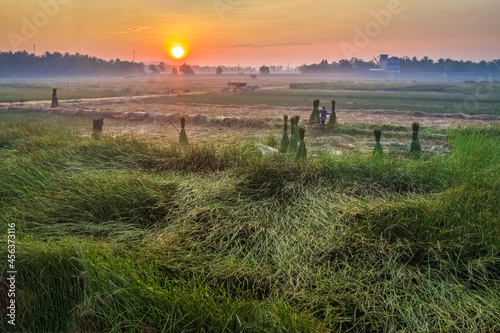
301 152
49 287
461 217
332 122
415 148
294 144
378 147
285 141
314 118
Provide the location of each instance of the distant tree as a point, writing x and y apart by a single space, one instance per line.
162 67
218 71
346 65
186 69
23 64
174 71
322 67
154 69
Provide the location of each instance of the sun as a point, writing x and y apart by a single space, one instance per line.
177 52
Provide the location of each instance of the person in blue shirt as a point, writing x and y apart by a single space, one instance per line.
322 117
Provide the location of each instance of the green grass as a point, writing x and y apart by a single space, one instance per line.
353 100
41 92
124 235
468 98
76 89
457 87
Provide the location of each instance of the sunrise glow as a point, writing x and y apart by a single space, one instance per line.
177 52
233 32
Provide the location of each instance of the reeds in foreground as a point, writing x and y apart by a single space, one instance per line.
140 235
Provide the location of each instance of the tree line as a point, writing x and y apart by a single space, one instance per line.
24 64
408 64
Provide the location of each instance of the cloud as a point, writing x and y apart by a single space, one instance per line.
129 31
261 46
136 29
114 32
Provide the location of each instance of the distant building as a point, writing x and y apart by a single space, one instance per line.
392 64
383 62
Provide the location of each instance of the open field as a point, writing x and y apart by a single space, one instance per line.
464 97
136 233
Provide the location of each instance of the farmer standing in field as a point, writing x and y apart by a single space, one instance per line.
322 117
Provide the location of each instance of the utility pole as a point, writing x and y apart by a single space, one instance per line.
134 55
34 49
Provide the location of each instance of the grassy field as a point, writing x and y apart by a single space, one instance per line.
453 97
130 235
470 87
352 100
81 88
70 89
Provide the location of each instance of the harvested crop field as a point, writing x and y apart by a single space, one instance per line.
151 118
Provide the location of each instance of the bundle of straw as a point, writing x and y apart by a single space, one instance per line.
301 152
332 122
183 140
294 143
314 118
415 148
285 142
378 146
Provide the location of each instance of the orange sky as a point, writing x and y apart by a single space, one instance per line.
254 32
